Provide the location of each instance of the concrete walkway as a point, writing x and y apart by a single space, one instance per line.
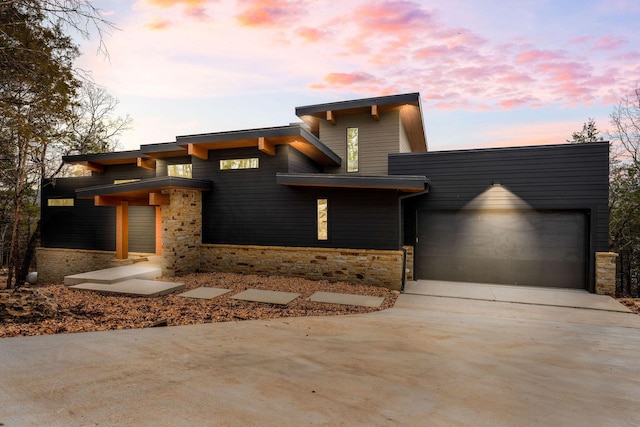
434 361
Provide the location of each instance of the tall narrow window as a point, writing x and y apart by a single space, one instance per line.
323 219
352 149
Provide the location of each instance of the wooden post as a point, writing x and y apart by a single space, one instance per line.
122 230
158 230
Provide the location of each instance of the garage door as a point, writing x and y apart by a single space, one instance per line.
530 248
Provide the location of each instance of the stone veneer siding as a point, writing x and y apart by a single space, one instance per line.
55 263
606 273
181 232
409 265
365 266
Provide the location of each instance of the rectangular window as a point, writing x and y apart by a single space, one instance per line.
352 149
323 219
124 181
60 202
182 171
229 164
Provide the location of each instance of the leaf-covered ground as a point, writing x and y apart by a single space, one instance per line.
56 309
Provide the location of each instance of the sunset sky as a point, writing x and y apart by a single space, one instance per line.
490 73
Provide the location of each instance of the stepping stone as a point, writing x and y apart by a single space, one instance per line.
347 299
204 292
141 287
142 270
269 297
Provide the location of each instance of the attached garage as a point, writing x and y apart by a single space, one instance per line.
515 247
530 216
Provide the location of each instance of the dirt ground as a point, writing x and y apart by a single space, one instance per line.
55 309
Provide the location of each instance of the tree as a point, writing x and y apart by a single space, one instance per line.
589 133
624 193
46 110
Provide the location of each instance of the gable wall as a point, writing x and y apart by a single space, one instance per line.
376 140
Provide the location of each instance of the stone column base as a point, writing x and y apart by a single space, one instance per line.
606 273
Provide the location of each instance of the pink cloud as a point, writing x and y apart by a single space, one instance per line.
609 43
191 8
263 13
513 77
311 35
158 24
431 52
564 72
342 79
535 55
393 16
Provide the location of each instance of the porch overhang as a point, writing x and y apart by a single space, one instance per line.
403 183
143 189
147 192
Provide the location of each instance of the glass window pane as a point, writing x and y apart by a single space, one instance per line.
60 202
182 170
323 222
352 149
230 164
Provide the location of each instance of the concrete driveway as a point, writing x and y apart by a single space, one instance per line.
431 360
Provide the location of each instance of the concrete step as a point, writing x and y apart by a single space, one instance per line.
140 287
141 270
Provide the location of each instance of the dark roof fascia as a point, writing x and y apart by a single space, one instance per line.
236 135
151 184
272 132
163 147
494 149
101 157
409 183
406 98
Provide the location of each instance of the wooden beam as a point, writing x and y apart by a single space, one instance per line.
158 230
266 146
331 116
149 164
122 230
197 151
157 199
116 200
374 113
93 167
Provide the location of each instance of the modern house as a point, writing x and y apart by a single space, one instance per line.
351 193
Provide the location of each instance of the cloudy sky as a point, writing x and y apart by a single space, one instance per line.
490 72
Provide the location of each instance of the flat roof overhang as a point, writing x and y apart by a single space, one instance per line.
408 104
404 183
265 140
139 192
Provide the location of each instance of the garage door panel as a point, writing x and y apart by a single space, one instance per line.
510 247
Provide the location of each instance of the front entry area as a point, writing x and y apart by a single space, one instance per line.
513 247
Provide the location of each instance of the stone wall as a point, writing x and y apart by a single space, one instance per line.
54 264
370 267
409 265
181 232
606 273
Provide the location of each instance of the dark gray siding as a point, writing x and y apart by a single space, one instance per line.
299 163
85 226
248 207
560 177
